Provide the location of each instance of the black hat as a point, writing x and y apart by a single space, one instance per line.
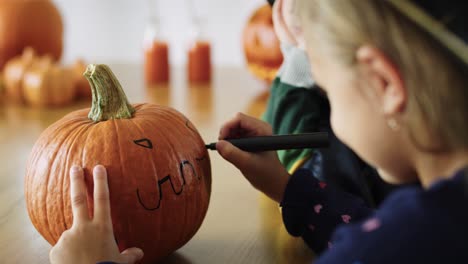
445 20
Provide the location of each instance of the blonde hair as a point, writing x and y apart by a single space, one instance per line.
436 82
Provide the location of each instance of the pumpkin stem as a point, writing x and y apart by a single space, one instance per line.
109 100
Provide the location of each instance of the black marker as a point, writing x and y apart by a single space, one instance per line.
279 142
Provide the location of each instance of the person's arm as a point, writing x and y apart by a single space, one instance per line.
313 210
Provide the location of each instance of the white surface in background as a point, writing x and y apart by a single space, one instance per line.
112 30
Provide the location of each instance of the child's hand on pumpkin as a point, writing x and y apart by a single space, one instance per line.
286 23
90 240
262 169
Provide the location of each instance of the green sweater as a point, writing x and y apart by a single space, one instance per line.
293 110
295 105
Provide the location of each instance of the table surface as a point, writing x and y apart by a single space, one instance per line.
248 230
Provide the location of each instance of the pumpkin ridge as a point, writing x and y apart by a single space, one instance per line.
166 115
82 131
152 159
70 140
173 148
120 163
139 113
50 236
155 173
33 159
157 179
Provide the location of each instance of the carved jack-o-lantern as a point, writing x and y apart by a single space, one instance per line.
158 168
261 45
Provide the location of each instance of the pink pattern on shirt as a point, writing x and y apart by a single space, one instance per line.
317 208
371 225
346 218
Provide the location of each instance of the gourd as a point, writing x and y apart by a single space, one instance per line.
47 85
14 72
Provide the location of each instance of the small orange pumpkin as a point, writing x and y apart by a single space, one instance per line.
82 85
14 72
261 45
158 168
29 23
48 84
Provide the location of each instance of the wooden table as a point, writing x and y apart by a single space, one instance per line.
241 226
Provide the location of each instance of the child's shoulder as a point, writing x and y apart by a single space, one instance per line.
412 226
443 196
442 204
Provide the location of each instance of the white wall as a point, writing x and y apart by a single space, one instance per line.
112 30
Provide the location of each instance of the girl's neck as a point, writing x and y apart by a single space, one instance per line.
434 167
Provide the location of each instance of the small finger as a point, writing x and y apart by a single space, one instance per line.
79 201
131 255
252 126
101 196
233 154
230 126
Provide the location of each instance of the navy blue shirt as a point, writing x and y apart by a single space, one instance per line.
413 225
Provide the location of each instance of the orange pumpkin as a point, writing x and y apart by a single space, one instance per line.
2 88
33 23
14 72
82 85
48 84
158 168
261 45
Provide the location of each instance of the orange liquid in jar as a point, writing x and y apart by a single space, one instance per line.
199 62
157 63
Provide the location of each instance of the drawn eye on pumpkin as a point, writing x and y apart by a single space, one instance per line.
144 142
189 126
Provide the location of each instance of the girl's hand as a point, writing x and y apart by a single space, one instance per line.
262 169
90 240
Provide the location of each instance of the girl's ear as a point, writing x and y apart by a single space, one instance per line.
384 77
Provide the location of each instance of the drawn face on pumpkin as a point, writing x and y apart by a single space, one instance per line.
185 175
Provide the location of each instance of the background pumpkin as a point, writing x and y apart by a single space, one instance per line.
261 45
82 85
14 72
48 84
159 170
33 23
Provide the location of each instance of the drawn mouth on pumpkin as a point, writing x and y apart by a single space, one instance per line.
146 143
168 178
